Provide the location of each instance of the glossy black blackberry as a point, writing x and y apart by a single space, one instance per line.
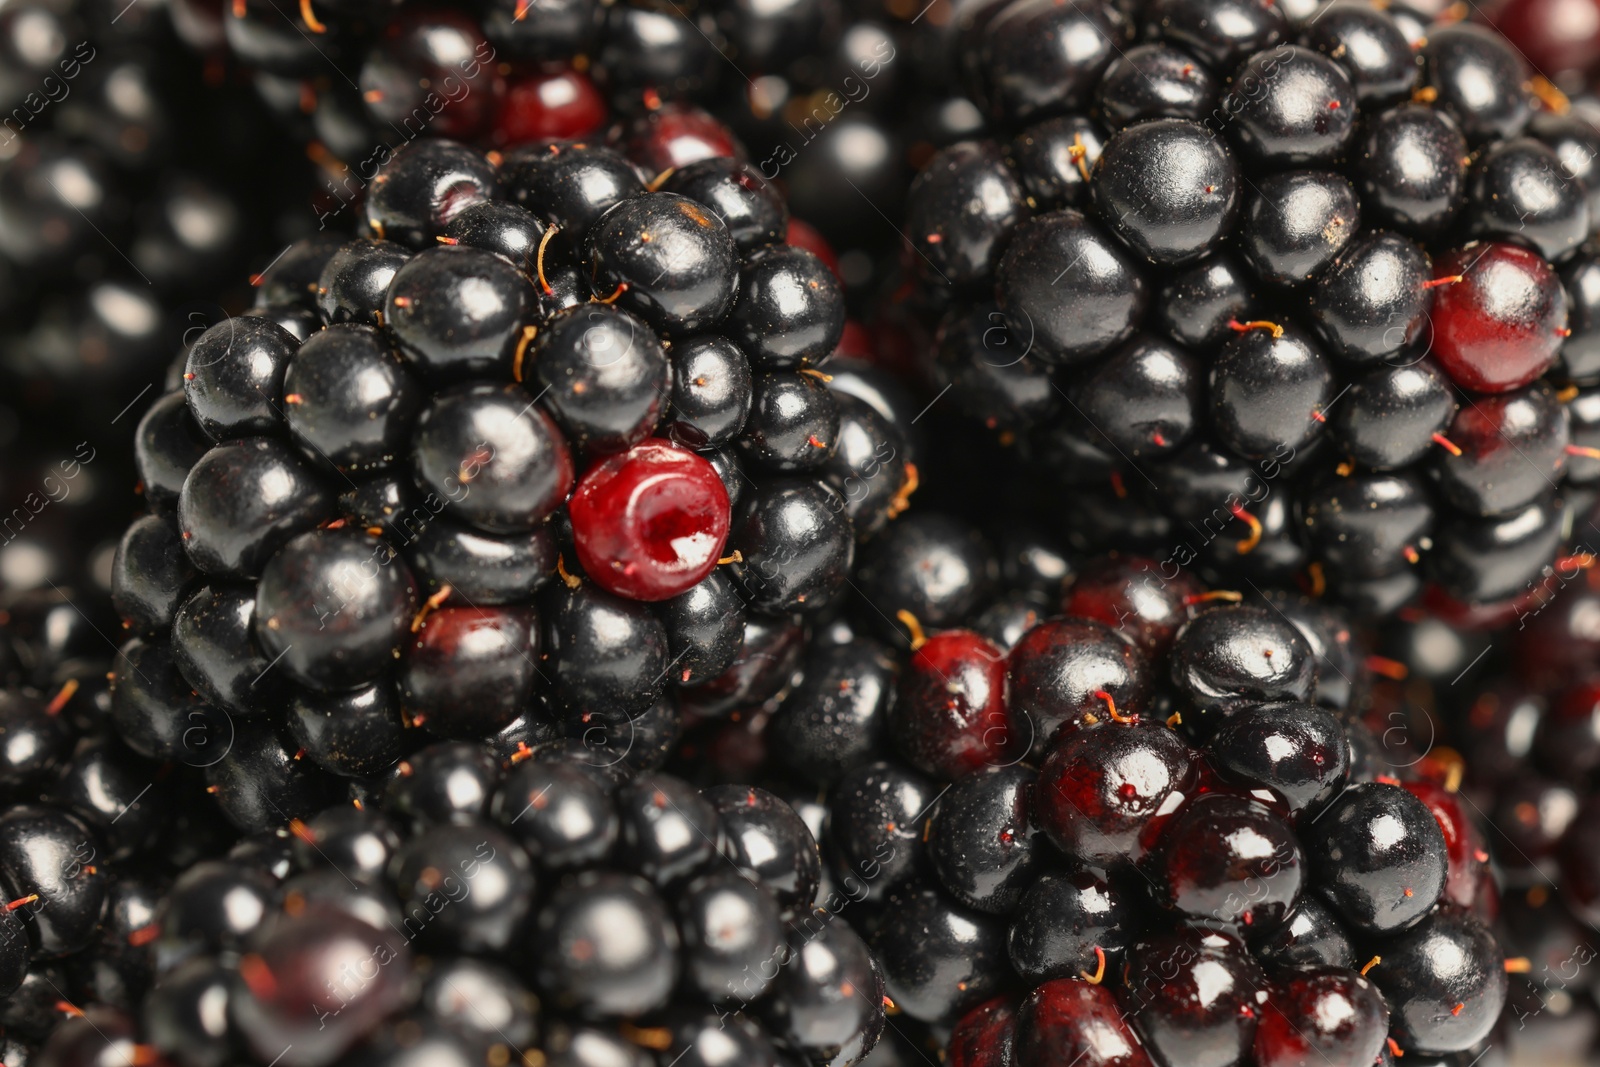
874 837
1580 355
1369 46
242 500
1381 854
769 650
460 435
1154 81
1168 189
1290 107
1269 388
1296 222
982 843
769 844
1144 398
215 648
1477 77
150 574
470 671
458 312
1312 936
1497 557
1060 675
1066 252
790 311
796 546
606 375
331 606
349 400
1163 976
1573 139
1036 58
610 653
1295 752
501 227
1231 656
167 444
1196 305
482 568
569 186
836 717
934 566
792 425
937 957
1065 916
872 465
667 259
424 187
1445 981
1367 525
705 629
686 930
1220 37
1412 168
1390 416
233 381
354 283
1520 190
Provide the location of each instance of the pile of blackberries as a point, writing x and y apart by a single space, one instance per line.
553 906
355 76
1126 596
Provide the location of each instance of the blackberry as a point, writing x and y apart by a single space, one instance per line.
363 946
383 498
1315 211
1056 837
820 89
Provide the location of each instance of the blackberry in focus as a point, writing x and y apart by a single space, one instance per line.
1358 254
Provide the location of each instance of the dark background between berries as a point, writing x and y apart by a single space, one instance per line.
327 741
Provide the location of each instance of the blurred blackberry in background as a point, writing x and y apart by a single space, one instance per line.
474 902
132 177
811 93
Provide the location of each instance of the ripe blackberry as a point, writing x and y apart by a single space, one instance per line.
383 937
508 489
1201 812
1314 210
